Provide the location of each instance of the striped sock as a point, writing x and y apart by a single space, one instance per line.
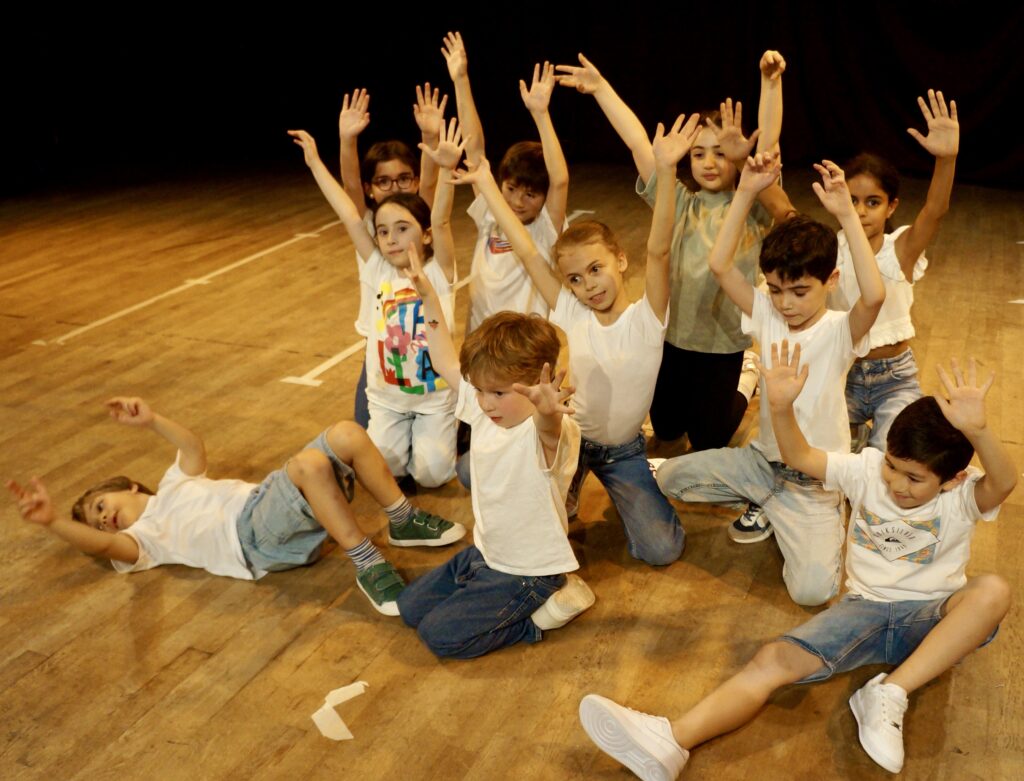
400 513
364 555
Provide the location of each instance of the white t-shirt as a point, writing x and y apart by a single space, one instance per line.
499 282
518 501
892 553
827 348
893 323
614 367
366 293
191 521
399 374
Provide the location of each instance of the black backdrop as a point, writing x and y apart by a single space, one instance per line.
97 101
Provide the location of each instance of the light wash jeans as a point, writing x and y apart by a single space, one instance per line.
878 390
808 520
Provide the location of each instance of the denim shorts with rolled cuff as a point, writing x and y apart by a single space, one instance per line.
856 632
277 528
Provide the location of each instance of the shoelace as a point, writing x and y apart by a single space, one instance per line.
750 516
892 710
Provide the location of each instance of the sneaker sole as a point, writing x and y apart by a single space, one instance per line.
746 539
879 759
387 608
454 534
615 740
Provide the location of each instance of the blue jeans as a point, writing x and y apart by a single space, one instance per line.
856 632
652 525
878 390
465 609
808 520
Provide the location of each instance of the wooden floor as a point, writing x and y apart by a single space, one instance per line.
175 673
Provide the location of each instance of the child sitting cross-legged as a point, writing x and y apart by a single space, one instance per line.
798 258
239 529
512 584
615 346
908 602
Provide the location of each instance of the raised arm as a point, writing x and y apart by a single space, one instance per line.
354 117
429 114
942 142
783 383
443 355
769 108
668 149
537 98
445 157
454 51
549 400
533 261
335 195
758 173
133 411
35 506
835 196
585 78
965 410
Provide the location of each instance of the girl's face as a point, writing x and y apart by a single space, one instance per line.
594 275
872 204
397 230
390 177
710 168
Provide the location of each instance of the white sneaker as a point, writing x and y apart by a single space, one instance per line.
879 708
751 526
565 604
641 742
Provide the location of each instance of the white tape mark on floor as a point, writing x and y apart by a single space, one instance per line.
29 274
1018 301
204 280
579 213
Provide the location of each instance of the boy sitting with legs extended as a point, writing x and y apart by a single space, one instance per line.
512 584
235 528
798 261
909 603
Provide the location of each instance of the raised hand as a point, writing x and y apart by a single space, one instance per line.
414 273
450 146
965 409
772 65
669 148
130 410
760 172
832 190
786 378
538 96
584 78
472 175
33 501
428 111
454 52
355 114
547 395
943 139
735 146
305 140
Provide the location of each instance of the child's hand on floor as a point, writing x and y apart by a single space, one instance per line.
130 410
547 395
34 502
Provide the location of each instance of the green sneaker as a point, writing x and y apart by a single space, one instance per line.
425 529
381 584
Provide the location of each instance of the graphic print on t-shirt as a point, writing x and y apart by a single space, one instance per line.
498 244
402 342
912 541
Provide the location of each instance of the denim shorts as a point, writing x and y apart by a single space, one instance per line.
856 632
277 528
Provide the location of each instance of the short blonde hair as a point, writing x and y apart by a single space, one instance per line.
510 346
587 232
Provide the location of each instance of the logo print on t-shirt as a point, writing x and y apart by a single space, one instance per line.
498 245
400 337
912 541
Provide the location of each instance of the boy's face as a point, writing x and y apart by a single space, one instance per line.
709 166
911 483
390 177
594 275
801 301
500 403
115 511
525 201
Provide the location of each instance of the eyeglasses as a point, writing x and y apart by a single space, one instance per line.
385 183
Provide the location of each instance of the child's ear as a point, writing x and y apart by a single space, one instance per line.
368 190
623 262
135 488
892 207
833 279
427 236
954 481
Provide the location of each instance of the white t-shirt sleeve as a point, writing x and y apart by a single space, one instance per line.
479 212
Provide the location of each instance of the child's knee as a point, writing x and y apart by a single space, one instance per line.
662 548
779 663
809 590
992 595
347 439
441 640
310 466
432 464
671 477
